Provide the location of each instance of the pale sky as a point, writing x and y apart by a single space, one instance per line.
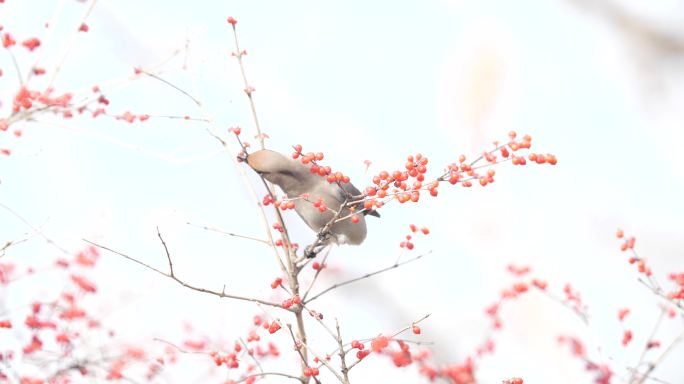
362 81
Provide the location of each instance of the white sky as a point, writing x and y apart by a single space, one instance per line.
362 80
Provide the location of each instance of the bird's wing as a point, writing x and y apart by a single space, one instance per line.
348 190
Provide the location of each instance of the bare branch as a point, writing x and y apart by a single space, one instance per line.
325 363
34 229
654 364
337 285
580 312
194 100
221 294
659 292
406 328
298 348
656 326
265 374
324 233
318 272
166 250
70 45
248 88
213 229
179 349
23 238
343 361
254 359
16 66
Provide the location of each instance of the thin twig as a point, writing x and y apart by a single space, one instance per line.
298 348
254 359
406 328
265 374
70 44
23 238
652 366
194 100
221 294
179 349
166 250
659 292
579 311
656 326
367 275
213 229
16 67
393 337
324 362
324 232
34 229
343 361
318 272
248 89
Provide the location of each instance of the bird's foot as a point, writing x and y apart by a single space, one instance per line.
313 250
322 240
323 236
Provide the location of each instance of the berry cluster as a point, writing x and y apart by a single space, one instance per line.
414 229
312 160
628 245
65 327
602 371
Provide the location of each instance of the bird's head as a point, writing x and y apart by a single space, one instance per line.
277 168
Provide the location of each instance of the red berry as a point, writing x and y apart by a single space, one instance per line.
622 313
31 43
626 337
380 343
275 326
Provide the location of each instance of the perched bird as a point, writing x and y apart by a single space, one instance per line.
296 179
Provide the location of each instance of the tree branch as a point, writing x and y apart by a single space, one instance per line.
406 328
343 361
337 285
213 229
298 348
172 276
264 374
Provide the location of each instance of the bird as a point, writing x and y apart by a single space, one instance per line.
296 179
